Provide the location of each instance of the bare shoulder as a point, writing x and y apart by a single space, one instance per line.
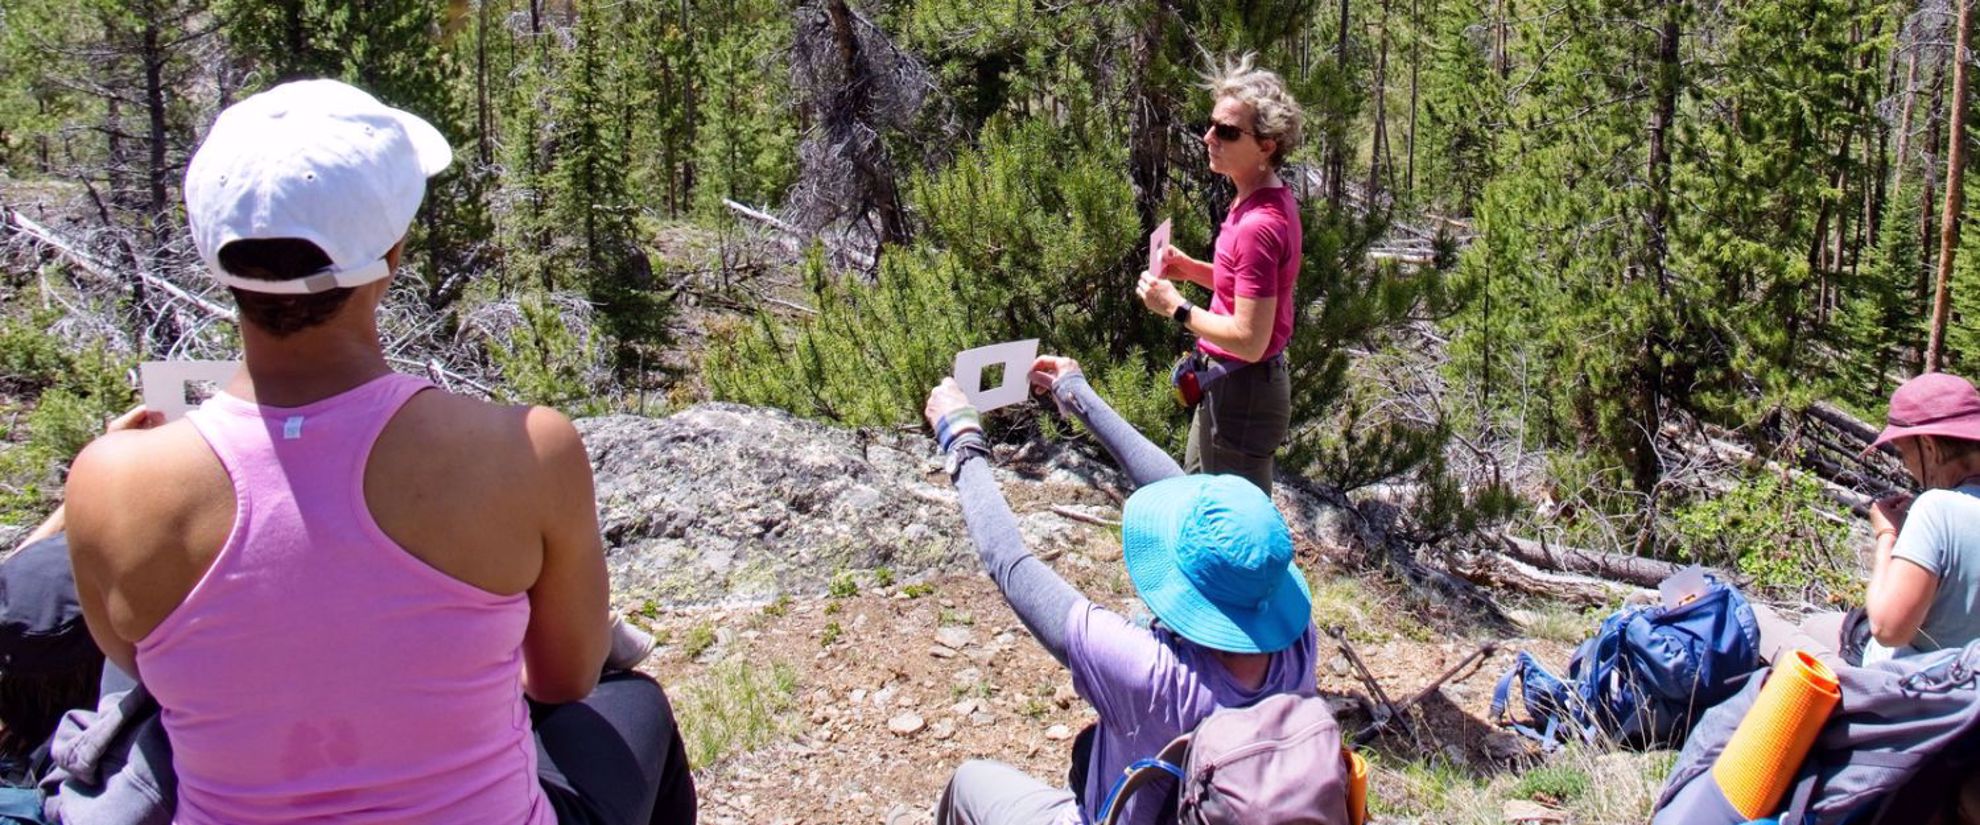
125 485
121 461
516 441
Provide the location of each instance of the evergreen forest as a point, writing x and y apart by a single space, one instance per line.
1626 276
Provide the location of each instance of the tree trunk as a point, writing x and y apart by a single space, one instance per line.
113 124
1901 158
882 195
1378 147
154 105
1955 190
1928 177
1645 466
483 121
1415 65
1148 129
1336 146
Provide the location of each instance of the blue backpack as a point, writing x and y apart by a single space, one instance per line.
1647 674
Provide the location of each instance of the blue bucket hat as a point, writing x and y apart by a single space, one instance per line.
1212 558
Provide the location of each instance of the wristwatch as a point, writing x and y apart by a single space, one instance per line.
966 446
1182 313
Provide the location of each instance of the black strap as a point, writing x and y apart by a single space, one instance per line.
1082 762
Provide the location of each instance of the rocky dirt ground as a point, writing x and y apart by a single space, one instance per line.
863 703
834 651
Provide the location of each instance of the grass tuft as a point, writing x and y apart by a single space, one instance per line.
735 708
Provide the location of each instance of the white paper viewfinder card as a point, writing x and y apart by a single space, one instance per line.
164 384
1157 240
1016 356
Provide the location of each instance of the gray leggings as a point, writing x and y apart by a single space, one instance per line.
1241 422
985 792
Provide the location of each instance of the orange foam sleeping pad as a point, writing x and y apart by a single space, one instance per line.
1760 761
1357 787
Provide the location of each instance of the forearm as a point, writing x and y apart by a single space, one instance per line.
55 523
1231 334
1035 592
1890 621
1191 270
1144 462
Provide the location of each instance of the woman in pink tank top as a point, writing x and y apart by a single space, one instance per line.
347 589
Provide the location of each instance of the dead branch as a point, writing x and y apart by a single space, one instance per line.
858 259
90 264
1088 518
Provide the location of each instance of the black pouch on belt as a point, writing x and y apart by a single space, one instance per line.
1195 373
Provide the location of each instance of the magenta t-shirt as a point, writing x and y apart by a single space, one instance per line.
1258 251
1150 686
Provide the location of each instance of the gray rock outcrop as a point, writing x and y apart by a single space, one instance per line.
726 502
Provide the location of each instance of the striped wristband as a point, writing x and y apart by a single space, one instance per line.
957 422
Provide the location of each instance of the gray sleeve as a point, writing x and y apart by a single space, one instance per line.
1925 541
1035 591
1144 462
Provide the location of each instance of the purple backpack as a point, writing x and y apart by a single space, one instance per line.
1277 762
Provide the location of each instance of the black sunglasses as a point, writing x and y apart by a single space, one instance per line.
1228 132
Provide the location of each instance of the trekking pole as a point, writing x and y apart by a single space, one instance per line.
1388 712
1477 656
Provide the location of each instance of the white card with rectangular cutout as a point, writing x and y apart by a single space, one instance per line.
163 383
1157 241
1016 356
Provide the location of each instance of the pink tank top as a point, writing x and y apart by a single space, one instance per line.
320 672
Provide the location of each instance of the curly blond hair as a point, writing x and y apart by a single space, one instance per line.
1275 114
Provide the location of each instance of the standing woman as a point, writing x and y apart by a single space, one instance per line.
1241 337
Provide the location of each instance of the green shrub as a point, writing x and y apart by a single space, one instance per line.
73 389
1032 235
1776 531
699 639
543 360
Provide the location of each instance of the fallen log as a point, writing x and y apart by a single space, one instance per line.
1370 523
1845 423
1504 572
1612 566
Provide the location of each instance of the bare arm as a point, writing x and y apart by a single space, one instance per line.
1901 590
1179 266
1245 333
98 479
569 623
95 485
55 523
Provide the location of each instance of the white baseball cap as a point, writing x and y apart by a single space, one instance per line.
316 160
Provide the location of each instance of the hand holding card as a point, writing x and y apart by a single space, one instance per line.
1015 357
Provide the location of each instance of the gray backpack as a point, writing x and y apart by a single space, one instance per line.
1903 725
1277 762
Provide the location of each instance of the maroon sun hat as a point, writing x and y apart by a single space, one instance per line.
1932 404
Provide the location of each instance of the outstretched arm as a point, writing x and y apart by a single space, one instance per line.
1144 462
1035 592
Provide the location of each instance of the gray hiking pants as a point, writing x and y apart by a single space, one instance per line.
986 792
1241 422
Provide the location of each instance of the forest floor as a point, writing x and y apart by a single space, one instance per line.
855 708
